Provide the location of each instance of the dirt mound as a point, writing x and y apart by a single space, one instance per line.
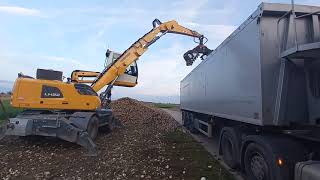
132 112
133 151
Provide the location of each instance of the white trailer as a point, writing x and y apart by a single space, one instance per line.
259 93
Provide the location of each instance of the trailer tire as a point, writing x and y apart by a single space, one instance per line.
191 124
184 118
230 147
93 127
272 148
257 163
187 122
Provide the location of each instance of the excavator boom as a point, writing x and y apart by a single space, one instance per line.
138 48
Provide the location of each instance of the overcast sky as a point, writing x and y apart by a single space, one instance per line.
67 35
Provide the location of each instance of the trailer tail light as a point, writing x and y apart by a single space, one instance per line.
280 162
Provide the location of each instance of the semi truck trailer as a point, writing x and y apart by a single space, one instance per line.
258 92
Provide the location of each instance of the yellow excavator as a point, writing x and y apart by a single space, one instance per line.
72 110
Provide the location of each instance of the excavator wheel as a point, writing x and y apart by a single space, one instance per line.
93 127
112 124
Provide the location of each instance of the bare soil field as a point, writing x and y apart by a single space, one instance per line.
173 107
148 145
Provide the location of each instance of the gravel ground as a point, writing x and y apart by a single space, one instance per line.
130 152
137 150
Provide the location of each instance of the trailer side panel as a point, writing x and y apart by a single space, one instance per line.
228 82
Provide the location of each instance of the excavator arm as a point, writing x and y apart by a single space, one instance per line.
112 72
78 76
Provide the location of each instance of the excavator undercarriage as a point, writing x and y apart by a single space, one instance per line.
78 127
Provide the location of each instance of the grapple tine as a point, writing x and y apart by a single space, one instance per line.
199 51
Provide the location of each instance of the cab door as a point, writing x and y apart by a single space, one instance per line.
130 77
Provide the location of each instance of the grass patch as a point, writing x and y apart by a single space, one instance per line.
165 105
11 111
190 156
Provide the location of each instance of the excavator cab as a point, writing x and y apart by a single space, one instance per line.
130 77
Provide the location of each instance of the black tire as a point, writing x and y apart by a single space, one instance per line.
111 124
190 124
184 118
93 127
267 150
258 163
230 147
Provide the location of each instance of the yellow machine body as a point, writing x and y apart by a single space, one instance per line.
121 71
49 94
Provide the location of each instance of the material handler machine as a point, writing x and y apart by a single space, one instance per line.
72 110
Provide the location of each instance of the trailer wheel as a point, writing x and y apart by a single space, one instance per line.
191 123
230 147
256 162
184 118
93 127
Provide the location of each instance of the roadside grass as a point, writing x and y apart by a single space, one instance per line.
191 157
11 112
165 105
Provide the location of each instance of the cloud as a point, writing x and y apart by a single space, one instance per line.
63 60
309 2
217 29
19 11
130 12
215 33
28 64
188 9
5 85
